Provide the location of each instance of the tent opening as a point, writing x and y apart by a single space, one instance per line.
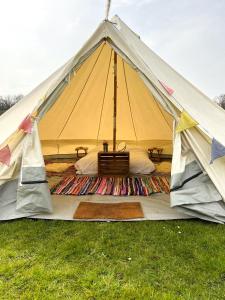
82 119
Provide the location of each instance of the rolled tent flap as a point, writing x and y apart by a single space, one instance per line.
8 199
192 191
33 194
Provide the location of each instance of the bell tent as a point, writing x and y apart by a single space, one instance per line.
155 106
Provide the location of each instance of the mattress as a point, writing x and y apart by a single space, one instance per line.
139 162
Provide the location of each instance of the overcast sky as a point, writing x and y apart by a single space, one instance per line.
37 36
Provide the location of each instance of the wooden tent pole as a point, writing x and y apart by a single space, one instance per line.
115 101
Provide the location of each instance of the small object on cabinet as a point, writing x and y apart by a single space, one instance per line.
105 146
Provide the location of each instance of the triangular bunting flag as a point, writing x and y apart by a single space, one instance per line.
5 155
217 150
169 90
26 124
185 122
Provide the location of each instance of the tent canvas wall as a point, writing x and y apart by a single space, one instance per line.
73 105
83 112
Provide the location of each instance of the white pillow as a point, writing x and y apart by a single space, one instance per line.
88 163
140 162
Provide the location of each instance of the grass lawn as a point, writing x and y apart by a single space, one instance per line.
141 260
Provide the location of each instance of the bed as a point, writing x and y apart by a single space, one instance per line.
139 162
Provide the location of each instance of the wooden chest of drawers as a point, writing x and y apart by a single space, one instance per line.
113 163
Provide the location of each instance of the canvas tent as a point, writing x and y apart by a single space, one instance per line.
74 104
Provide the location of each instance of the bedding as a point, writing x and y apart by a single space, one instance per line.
88 164
164 167
57 167
139 162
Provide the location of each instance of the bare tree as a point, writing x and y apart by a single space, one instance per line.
221 100
8 101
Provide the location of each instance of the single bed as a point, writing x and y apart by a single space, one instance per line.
139 162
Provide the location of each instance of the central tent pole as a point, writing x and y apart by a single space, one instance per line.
115 101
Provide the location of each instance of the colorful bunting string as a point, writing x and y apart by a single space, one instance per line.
169 90
185 122
26 124
5 155
217 150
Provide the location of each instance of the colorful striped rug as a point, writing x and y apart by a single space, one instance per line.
115 186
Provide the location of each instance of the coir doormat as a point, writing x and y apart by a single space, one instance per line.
114 211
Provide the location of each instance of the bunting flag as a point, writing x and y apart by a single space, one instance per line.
5 155
26 124
217 150
169 90
185 122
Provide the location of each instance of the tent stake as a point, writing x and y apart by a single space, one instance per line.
115 101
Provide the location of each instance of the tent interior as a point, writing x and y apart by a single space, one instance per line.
83 113
83 116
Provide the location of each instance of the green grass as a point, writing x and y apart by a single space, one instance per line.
130 260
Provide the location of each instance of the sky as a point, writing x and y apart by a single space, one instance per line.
38 36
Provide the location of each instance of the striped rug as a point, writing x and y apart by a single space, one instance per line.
115 186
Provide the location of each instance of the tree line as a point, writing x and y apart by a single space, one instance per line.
221 100
8 101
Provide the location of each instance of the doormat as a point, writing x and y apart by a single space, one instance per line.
115 211
115 186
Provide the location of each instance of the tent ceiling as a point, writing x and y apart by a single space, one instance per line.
84 111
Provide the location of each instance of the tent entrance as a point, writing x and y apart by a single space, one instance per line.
83 116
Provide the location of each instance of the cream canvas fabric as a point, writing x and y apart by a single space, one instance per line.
74 106
84 110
